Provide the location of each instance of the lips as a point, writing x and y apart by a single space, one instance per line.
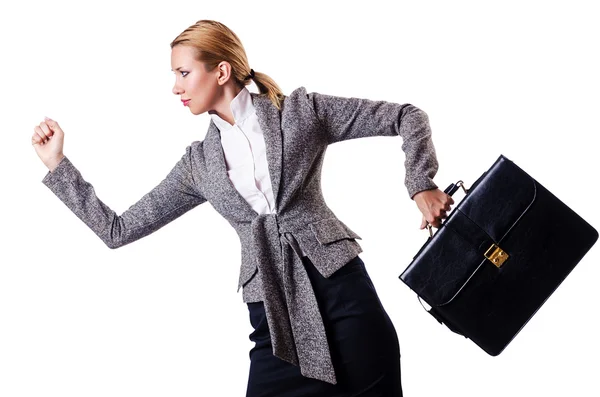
185 102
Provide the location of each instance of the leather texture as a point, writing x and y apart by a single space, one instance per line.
544 240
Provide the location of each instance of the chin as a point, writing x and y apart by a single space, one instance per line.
197 110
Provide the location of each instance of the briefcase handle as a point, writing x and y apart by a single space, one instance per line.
450 190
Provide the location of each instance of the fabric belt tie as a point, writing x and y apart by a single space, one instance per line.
295 323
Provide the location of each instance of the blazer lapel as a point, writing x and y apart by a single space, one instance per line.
269 120
226 195
270 123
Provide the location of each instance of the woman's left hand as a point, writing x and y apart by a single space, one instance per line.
434 204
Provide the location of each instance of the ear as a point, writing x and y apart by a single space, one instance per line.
224 72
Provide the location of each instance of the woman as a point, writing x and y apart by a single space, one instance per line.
319 326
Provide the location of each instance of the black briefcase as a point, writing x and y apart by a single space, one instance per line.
500 253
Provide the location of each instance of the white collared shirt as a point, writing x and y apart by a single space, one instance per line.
246 157
245 154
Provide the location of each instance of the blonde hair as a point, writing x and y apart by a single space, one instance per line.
215 42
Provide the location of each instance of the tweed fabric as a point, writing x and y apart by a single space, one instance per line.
296 139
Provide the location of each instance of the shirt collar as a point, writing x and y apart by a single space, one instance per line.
241 108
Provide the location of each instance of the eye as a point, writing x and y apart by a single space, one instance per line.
182 73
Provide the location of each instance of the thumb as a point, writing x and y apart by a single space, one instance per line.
423 222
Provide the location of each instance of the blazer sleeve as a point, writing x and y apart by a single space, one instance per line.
349 118
172 197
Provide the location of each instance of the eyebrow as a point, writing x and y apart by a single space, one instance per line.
177 68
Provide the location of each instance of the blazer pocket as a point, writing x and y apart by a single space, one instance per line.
329 230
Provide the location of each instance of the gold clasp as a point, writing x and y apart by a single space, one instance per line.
496 255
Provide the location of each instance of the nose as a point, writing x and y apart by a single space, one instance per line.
177 90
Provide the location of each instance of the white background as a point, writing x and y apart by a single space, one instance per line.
161 317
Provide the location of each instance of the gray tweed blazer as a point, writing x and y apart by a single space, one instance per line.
296 138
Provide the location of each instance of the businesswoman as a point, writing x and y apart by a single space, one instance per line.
319 326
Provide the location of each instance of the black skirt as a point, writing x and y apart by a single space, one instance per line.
364 345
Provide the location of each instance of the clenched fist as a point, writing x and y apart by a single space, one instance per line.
433 204
48 140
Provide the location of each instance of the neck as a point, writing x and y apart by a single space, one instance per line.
223 108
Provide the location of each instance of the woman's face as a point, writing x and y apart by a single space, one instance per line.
192 81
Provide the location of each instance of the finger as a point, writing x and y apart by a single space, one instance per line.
437 220
45 130
35 139
41 137
432 221
53 125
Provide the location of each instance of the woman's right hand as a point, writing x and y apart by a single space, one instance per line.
48 140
